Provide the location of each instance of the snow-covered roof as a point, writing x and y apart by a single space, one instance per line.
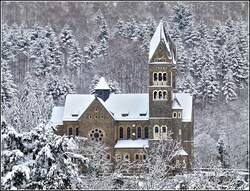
161 34
124 107
57 116
186 102
75 105
138 143
181 152
102 85
128 106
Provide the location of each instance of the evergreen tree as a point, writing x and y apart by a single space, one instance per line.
66 37
103 33
114 86
8 88
148 29
208 86
182 24
229 87
91 52
75 59
222 153
6 44
58 88
13 173
53 53
218 47
30 107
66 41
38 159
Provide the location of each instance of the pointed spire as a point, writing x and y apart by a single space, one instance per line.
160 34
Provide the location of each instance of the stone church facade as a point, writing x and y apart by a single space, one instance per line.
128 123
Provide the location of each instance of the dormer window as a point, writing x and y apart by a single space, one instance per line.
143 114
124 114
74 114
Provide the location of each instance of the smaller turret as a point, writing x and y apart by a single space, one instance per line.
102 89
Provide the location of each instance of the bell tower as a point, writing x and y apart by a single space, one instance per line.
162 72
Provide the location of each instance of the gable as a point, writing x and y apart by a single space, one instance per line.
75 105
96 110
161 54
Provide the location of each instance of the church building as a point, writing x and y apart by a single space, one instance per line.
128 123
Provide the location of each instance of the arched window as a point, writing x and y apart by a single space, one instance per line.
156 129
121 132
164 94
126 156
136 156
139 132
160 94
155 94
164 76
146 132
70 131
160 76
174 114
179 114
164 129
128 133
155 76
164 132
156 132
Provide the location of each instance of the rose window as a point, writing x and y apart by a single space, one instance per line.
96 135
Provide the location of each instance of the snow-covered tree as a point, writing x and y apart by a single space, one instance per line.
222 154
55 57
91 52
38 159
58 88
8 88
229 87
154 170
67 42
103 33
7 47
14 174
30 107
47 54
114 86
66 37
182 24
53 167
208 87
75 59
205 149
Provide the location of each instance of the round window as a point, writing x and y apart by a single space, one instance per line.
96 135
